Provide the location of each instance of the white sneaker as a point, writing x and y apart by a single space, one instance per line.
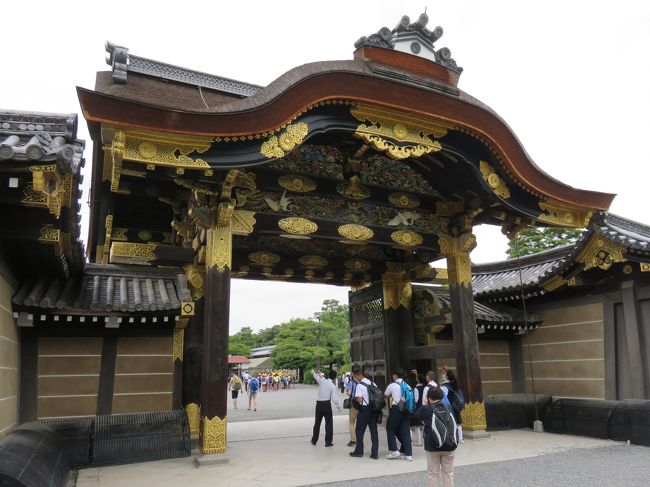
393 455
408 459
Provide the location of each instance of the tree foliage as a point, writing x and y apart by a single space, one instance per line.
302 342
535 240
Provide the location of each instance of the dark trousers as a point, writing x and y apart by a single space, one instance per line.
398 425
367 419
323 410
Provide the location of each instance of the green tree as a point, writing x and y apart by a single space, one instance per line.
304 343
266 336
241 342
534 240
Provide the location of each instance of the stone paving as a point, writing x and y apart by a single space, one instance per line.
270 447
297 402
277 453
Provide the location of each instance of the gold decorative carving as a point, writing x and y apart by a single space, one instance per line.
187 309
297 226
48 189
397 134
645 266
404 200
278 146
144 235
218 251
627 269
313 261
355 232
562 214
554 283
298 184
353 189
473 416
115 157
601 252
357 265
264 258
456 250
494 181
141 252
406 238
442 274
119 234
160 149
50 234
243 222
242 272
195 279
212 438
397 290
177 347
193 412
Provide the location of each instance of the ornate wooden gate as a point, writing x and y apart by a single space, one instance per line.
367 343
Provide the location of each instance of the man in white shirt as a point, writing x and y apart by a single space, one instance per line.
366 417
245 378
326 395
399 422
430 377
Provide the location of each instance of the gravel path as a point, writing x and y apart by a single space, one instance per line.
613 466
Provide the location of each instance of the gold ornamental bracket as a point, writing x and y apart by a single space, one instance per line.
277 146
397 290
601 252
456 250
473 416
493 180
561 214
48 189
152 149
52 236
397 134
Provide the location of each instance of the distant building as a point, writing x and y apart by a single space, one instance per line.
260 352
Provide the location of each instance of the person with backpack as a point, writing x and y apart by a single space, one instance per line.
368 398
440 438
455 396
253 388
399 417
234 386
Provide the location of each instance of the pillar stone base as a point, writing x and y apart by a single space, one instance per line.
203 460
475 435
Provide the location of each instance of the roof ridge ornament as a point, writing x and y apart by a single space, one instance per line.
412 38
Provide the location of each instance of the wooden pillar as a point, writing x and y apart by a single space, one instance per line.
456 249
634 355
517 371
107 375
192 356
214 373
398 320
28 404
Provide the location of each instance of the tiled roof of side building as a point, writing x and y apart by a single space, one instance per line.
504 275
107 288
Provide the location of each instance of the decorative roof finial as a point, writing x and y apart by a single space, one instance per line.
412 38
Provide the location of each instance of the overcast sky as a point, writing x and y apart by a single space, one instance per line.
571 78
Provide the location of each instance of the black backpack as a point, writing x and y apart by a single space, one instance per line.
377 402
444 432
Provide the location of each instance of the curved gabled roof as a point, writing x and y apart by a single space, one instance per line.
380 77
